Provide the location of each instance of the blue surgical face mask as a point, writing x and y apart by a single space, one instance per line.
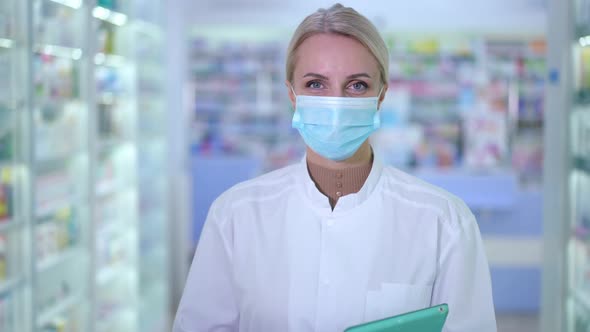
335 127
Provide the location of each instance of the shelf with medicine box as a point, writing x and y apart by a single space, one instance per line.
7 198
14 227
578 284
469 102
64 310
57 237
433 88
152 199
57 23
59 165
10 275
115 181
52 317
68 103
239 97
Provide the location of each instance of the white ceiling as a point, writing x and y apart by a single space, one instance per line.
502 16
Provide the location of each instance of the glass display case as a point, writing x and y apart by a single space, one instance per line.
70 201
59 167
579 173
566 290
15 276
115 177
152 165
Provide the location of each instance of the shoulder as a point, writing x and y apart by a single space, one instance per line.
261 188
450 208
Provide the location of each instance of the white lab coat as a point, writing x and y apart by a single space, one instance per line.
274 257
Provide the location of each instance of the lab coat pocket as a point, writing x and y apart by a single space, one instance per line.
394 299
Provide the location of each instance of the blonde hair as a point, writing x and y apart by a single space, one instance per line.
343 21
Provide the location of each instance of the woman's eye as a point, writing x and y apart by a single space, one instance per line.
314 85
359 86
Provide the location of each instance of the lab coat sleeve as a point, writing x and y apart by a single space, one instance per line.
463 276
208 301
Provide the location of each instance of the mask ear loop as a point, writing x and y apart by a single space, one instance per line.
295 122
379 96
294 94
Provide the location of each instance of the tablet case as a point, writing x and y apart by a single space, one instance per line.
425 320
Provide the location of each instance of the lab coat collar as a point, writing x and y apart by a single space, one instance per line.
321 203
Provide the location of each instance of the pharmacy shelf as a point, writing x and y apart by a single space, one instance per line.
48 315
582 164
55 205
59 51
10 284
7 225
58 259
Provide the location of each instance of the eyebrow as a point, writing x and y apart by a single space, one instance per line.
353 76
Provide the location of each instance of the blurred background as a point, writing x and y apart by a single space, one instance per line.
122 120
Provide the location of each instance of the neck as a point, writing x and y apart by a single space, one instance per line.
362 156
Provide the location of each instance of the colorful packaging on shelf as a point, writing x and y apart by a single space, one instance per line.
3 258
5 194
486 139
581 72
527 157
106 39
56 233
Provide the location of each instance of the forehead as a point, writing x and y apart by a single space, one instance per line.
332 54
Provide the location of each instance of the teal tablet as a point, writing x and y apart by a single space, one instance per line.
425 320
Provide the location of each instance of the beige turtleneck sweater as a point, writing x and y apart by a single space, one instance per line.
335 183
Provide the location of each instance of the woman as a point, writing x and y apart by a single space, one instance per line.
338 239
